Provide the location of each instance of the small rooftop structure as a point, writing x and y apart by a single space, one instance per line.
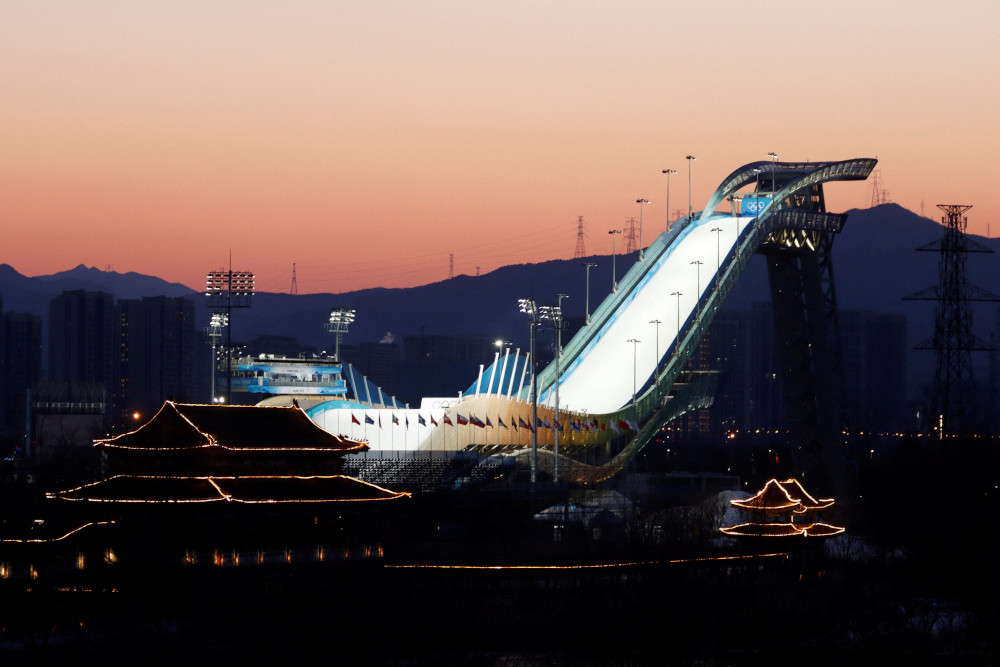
781 500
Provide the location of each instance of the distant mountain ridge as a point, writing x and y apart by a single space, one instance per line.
875 266
32 295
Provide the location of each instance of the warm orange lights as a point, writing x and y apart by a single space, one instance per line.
249 489
782 499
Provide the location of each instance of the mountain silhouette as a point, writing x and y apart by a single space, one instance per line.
874 258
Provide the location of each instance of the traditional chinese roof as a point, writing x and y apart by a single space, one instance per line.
179 426
256 489
782 530
782 497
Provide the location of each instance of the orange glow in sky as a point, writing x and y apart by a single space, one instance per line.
365 141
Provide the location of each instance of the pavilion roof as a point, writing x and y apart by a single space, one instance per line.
782 530
251 489
781 497
179 426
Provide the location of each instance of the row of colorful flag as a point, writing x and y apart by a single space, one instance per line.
578 425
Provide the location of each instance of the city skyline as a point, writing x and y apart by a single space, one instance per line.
366 144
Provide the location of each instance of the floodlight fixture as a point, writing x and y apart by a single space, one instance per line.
338 324
528 306
228 289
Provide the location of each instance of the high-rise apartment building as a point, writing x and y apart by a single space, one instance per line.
156 355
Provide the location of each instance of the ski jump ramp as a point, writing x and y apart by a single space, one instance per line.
622 367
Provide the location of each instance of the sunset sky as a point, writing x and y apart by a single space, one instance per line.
365 141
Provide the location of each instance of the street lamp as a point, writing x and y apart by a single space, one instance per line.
737 202
588 265
668 172
340 320
690 159
677 340
640 202
718 247
697 295
756 195
530 308
635 347
657 323
774 168
614 279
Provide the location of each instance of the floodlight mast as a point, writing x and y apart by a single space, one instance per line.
229 289
340 320
214 331
554 313
530 308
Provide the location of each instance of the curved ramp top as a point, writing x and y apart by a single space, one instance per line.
671 288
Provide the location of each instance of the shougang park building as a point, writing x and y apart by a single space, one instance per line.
608 383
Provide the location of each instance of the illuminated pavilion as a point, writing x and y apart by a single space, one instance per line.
229 454
782 509
215 485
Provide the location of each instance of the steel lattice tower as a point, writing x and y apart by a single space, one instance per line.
879 194
631 244
953 340
581 251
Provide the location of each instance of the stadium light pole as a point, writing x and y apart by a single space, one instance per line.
640 202
530 308
677 339
690 159
737 200
614 279
774 171
228 289
718 248
697 295
214 330
668 172
340 320
635 348
589 266
657 376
